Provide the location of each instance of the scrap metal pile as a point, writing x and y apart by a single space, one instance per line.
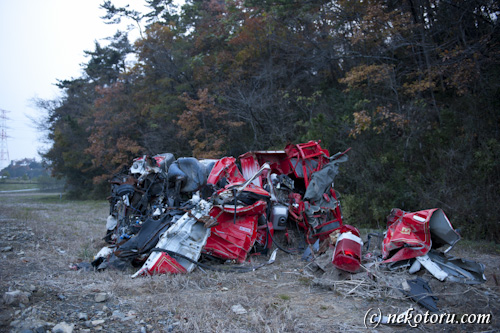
404 262
168 215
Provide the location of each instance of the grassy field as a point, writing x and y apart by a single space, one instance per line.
9 185
43 235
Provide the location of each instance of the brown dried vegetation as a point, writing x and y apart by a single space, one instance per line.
47 234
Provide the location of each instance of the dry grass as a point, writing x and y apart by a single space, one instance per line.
48 234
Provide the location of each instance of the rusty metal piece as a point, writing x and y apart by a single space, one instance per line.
209 221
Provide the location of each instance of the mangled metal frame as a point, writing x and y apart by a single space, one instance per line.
415 237
217 209
240 210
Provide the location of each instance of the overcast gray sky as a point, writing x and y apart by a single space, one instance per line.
41 42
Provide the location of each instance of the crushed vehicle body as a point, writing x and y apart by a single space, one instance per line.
303 182
170 216
413 239
186 236
166 214
411 235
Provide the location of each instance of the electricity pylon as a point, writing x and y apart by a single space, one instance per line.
4 150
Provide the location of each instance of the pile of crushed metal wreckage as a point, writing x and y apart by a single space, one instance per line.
172 215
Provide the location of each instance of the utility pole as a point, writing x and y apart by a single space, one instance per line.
4 150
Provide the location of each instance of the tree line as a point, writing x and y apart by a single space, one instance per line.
412 86
26 168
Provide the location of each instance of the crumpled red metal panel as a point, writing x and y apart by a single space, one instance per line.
225 168
277 159
233 237
164 264
408 235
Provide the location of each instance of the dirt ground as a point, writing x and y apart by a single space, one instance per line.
43 235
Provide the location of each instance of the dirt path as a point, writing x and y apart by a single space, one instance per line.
43 235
